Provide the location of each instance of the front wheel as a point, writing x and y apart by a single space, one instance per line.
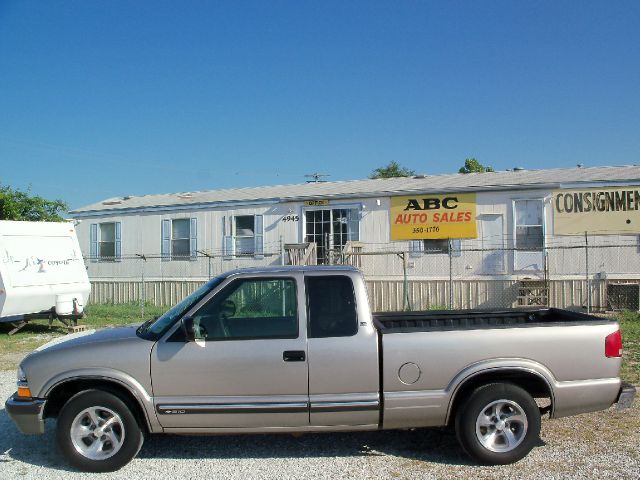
499 424
97 432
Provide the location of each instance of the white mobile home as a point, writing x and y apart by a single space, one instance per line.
513 217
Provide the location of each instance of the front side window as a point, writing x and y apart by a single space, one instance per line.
154 329
529 225
250 309
332 306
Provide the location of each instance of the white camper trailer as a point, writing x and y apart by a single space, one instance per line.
42 273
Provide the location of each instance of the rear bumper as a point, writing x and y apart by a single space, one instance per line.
26 414
625 396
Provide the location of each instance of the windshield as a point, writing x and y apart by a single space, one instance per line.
156 328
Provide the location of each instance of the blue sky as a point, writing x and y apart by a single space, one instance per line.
109 98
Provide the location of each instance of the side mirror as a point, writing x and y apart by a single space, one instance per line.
187 328
228 308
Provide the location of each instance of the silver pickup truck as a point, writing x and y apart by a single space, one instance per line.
297 349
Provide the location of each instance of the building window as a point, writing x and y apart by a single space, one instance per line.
528 235
245 235
529 225
434 246
331 229
179 239
105 241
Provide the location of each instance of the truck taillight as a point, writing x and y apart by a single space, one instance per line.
613 345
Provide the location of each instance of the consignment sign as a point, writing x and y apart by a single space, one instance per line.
421 217
596 210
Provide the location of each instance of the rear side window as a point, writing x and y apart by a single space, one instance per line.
332 307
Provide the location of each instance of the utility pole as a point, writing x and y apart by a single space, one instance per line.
209 256
143 293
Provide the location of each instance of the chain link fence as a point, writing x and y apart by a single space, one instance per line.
588 274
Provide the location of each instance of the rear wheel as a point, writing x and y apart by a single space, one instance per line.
498 424
97 432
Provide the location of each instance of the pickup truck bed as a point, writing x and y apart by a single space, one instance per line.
427 355
443 320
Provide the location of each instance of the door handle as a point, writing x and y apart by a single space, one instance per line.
294 356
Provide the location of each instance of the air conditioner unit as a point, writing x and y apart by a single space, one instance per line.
623 296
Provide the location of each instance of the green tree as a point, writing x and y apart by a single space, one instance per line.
394 169
18 205
471 165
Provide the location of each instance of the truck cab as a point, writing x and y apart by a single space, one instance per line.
271 350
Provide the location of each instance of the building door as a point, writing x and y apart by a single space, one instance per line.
331 229
492 238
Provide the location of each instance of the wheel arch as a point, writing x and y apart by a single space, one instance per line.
532 381
61 392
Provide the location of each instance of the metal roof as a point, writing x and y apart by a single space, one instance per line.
505 180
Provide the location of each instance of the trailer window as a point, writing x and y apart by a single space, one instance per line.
248 234
107 249
429 246
529 235
105 242
332 306
180 238
529 222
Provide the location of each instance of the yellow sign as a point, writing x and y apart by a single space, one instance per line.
596 210
316 203
420 217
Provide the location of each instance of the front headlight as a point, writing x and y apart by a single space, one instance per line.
22 378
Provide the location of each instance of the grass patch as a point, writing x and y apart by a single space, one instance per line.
109 315
630 327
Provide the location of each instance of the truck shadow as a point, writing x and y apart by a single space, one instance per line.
429 445
419 445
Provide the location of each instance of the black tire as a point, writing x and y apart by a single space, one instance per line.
126 429
525 429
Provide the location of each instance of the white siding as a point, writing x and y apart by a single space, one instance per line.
141 234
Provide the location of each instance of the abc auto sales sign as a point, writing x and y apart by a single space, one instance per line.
421 217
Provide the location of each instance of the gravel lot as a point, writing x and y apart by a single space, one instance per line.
602 445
